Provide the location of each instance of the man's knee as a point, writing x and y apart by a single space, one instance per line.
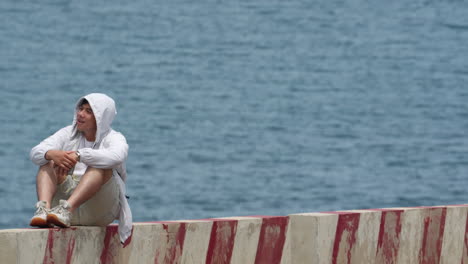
106 174
47 167
49 170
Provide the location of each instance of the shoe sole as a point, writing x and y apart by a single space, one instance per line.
53 219
39 222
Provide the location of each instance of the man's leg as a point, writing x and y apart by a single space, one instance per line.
46 183
90 183
46 186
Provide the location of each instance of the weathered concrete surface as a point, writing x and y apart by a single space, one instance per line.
393 235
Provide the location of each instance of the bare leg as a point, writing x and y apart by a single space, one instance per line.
46 183
90 184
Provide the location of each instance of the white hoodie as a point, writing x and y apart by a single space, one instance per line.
110 150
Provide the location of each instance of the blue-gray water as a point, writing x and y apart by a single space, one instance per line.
246 107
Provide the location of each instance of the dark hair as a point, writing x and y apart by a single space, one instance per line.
84 101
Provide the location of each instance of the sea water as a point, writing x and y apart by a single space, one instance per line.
235 108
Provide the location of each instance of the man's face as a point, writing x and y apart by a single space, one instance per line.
85 120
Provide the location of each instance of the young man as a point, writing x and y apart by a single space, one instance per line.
81 178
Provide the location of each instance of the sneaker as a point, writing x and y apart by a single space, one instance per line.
60 215
40 217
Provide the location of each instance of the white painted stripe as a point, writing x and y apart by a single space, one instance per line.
454 235
8 246
311 237
149 238
32 245
246 240
197 238
411 236
87 240
365 247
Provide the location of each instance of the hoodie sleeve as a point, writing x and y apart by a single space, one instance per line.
112 153
56 141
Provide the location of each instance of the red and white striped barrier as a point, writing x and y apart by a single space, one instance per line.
395 235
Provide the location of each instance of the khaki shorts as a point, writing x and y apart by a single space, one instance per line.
102 209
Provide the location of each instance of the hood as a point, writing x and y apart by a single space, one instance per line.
104 111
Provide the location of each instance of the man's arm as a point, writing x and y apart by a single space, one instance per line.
54 142
63 159
114 151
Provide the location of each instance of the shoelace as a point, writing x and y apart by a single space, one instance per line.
60 210
41 210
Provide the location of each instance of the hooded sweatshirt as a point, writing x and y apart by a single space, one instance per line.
109 151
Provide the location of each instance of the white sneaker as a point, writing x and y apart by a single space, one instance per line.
40 217
60 215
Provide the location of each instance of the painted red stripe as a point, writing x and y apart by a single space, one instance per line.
434 224
271 240
110 247
70 250
112 243
345 236
175 237
440 238
59 240
48 257
221 243
389 236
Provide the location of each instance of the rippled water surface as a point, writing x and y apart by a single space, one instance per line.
246 107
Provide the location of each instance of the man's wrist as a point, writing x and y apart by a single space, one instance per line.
78 155
45 155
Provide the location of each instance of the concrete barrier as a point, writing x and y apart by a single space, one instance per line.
393 235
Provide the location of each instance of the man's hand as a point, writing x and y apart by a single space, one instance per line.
60 172
62 159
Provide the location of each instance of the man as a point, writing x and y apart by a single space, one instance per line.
81 178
